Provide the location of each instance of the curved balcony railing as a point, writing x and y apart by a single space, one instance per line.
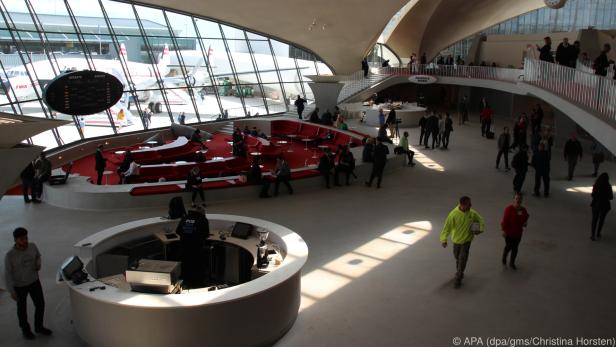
594 92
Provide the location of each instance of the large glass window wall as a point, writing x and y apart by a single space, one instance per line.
574 16
170 63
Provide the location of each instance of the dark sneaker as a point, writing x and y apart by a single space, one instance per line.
458 283
28 335
513 267
43 331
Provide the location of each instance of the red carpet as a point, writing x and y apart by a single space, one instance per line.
218 147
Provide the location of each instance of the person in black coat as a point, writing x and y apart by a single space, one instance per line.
601 195
193 184
431 129
448 130
299 103
573 150
314 116
422 125
128 158
367 155
602 62
27 183
520 165
346 165
100 163
564 53
326 163
364 66
238 143
193 229
255 176
545 52
504 144
541 163
380 159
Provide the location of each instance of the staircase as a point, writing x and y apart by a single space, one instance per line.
228 128
357 84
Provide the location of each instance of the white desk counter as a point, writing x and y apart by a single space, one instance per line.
409 114
255 313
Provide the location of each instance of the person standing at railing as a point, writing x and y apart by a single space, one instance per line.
575 53
423 60
545 52
565 53
602 62
573 150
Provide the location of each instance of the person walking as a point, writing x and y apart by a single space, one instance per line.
462 223
513 223
486 120
100 163
380 159
404 144
520 165
42 167
283 175
447 131
27 183
364 66
483 104
597 157
601 195
541 163
422 126
193 184
463 110
299 104
21 266
326 163
573 151
504 141
346 165
441 130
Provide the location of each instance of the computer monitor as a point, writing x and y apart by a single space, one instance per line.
241 230
71 266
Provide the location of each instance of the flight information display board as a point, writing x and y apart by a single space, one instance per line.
81 93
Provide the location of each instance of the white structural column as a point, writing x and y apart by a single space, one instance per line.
326 90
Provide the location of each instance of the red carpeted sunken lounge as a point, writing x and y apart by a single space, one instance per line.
170 162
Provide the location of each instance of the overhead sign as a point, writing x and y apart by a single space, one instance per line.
81 93
422 79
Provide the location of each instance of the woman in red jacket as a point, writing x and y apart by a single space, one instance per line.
514 220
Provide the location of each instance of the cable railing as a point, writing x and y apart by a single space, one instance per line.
594 92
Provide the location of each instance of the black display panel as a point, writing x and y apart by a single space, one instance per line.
82 93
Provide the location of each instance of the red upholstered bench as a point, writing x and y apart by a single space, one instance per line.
308 131
163 189
284 127
298 175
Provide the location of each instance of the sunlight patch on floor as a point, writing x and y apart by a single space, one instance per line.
336 274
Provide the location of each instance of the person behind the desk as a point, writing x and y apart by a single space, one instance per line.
193 230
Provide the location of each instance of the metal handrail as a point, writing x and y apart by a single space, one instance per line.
594 92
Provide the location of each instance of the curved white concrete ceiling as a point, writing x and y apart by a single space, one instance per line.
432 25
352 27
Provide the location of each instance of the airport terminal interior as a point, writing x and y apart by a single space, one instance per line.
332 173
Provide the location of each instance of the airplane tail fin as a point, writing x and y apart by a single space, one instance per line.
123 52
164 60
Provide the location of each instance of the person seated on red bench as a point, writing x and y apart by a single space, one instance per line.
193 184
238 143
255 176
328 137
283 174
132 172
326 163
196 137
128 158
246 130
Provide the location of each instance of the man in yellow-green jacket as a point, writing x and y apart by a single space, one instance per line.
463 223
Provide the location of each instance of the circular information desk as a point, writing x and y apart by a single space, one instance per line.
409 114
254 313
